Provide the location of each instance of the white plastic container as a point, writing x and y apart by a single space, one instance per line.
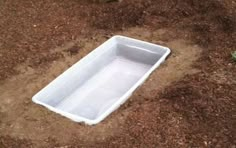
104 79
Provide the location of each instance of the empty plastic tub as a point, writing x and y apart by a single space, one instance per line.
104 79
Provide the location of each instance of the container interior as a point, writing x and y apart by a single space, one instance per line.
89 90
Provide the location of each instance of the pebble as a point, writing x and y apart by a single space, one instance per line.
73 50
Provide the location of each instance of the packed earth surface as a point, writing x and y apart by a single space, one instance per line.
189 101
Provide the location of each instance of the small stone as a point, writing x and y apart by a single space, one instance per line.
73 50
93 38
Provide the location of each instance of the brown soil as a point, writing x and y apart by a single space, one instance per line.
188 102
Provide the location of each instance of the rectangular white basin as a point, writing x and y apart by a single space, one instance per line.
104 79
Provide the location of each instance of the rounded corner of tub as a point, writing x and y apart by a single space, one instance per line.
97 120
89 121
35 99
117 38
168 50
92 122
80 119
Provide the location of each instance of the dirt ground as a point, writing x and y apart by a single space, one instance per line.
190 101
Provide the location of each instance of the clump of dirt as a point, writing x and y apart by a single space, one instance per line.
73 50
